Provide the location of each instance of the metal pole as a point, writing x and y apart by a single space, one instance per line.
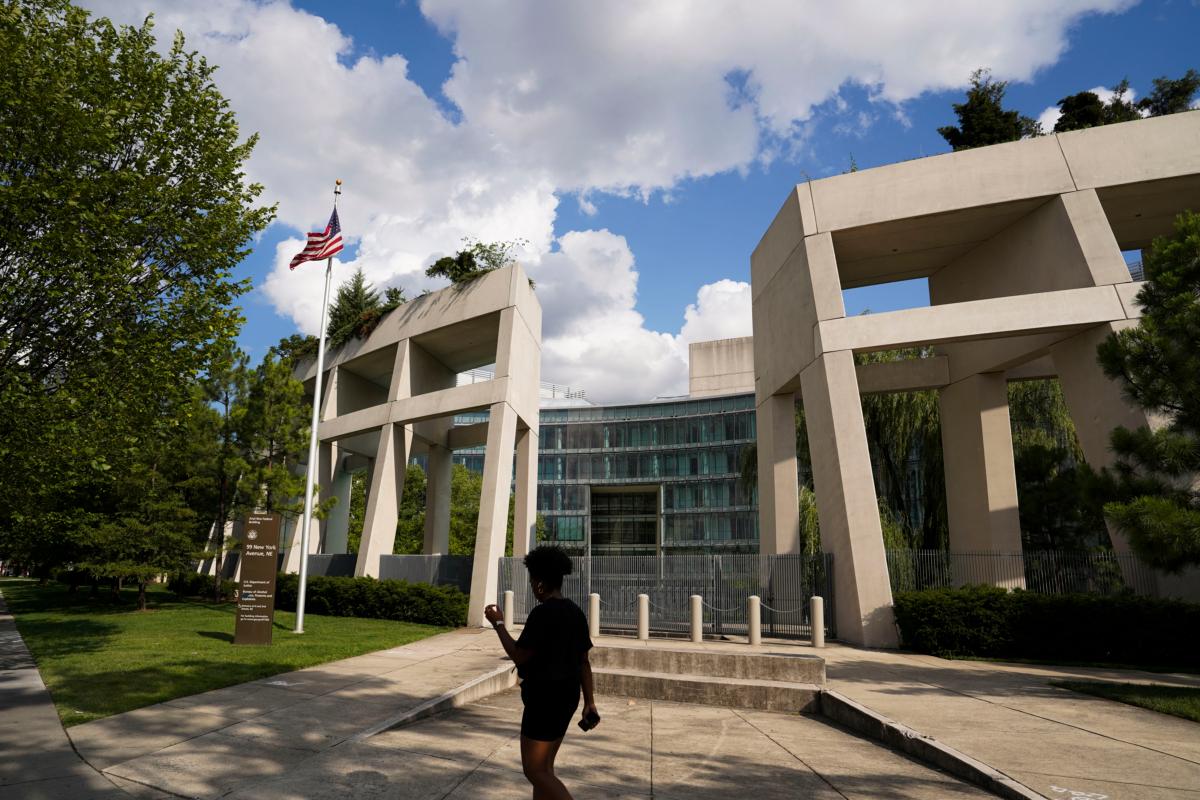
311 475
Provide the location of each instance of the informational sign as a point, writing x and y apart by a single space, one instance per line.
260 560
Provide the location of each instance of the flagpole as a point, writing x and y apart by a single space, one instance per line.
313 441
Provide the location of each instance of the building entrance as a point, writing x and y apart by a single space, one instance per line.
626 520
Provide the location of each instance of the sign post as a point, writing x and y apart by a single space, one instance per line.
260 562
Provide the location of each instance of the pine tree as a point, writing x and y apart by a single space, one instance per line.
1154 491
351 309
1171 96
982 118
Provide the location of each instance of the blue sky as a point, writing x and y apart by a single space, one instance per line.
641 154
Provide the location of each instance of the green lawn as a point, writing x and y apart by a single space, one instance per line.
100 657
1176 700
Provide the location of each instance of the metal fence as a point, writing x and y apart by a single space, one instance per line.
784 583
1041 571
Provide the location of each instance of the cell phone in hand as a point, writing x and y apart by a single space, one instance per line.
589 721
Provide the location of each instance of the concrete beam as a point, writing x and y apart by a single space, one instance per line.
979 319
909 375
447 402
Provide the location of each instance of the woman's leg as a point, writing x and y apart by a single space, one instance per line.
537 759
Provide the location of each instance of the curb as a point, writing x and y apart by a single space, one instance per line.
862 720
489 683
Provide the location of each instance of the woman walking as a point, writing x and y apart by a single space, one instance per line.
552 661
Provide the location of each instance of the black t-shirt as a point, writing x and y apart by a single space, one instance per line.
556 631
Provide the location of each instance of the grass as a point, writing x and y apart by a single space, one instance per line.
101 656
1178 701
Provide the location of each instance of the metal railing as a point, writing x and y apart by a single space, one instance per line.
784 583
1041 571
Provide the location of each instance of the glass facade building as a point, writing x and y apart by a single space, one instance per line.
647 478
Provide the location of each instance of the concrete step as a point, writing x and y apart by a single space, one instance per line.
684 661
765 695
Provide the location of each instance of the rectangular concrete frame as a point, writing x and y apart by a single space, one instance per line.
1021 243
393 394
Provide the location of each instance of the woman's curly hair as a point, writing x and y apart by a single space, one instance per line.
548 564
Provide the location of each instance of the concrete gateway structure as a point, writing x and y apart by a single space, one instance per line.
1022 246
394 395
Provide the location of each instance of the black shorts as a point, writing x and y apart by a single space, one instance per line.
548 710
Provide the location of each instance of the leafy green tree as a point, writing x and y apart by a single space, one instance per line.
225 388
274 433
1154 488
125 211
982 118
1171 96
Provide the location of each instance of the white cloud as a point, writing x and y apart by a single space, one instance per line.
721 311
569 99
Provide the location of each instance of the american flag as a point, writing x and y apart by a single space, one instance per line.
321 244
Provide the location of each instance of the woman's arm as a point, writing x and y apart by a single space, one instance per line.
585 680
519 655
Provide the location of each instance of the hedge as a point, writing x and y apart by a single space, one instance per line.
371 598
987 621
194 584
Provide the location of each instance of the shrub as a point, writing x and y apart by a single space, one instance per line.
987 621
371 598
194 584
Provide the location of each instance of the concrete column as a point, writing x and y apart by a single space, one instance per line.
697 615
778 491
525 502
643 617
437 501
383 498
335 482
816 618
493 510
981 481
846 501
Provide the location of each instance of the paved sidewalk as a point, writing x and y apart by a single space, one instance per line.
213 743
36 758
1055 741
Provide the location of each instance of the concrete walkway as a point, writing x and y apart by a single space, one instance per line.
37 761
293 735
1055 741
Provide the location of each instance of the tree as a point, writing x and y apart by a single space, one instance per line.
475 259
982 118
1056 513
357 309
1171 96
1081 110
1153 490
125 211
274 432
225 388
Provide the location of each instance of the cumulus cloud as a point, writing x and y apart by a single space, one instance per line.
571 99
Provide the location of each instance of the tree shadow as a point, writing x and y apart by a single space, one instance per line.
218 635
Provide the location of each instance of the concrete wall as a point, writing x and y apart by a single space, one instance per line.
725 366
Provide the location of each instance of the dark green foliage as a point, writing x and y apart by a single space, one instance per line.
195 584
475 259
1087 110
125 211
1151 490
374 599
1171 96
357 309
982 118
989 622
1056 511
